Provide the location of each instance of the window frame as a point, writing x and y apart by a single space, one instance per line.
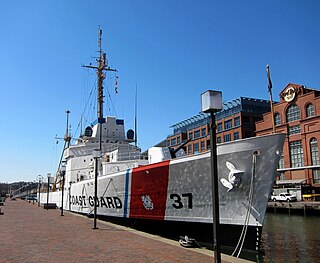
277 119
310 111
293 113
296 153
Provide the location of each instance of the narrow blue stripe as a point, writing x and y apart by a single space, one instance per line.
126 195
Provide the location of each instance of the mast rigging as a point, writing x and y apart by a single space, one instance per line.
100 68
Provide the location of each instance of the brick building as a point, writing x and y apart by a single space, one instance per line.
235 121
298 115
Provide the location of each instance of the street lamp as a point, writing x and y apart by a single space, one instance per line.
96 155
39 179
48 189
27 192
211 102
33 195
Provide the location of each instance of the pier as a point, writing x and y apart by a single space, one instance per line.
302 207
32 234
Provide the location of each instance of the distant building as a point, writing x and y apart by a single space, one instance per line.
235 121
298 115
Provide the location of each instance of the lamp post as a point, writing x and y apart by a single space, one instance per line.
27 192
33 197
62 176
96 155
39 179
48 189
211 102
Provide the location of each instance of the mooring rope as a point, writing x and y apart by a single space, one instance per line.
246 221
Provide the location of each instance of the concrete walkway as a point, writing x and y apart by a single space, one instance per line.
29 233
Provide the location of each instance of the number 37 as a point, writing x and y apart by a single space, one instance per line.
179 200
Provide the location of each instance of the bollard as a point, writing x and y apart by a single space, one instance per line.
289 208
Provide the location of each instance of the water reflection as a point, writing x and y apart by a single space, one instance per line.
291 238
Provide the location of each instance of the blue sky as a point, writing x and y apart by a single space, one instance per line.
172 50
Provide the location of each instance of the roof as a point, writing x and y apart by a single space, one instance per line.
228 108
199 117
297 181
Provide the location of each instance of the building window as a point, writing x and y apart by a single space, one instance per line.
316 176
228 125
219 127
296 154
189 148
236 136
178 140
203 145
310 110
219 139
236 121
277 119
314 151
282 176
190 135
203 132
197 134
168 142
281 161
296 129
227 138
173 142
293 113
196 148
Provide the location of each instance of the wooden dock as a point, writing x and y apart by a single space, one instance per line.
302 208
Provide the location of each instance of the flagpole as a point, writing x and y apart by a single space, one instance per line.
271 100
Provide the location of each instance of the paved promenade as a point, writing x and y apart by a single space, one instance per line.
29 233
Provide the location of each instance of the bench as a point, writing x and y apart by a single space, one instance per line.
49 206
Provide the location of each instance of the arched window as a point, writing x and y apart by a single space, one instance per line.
315 160
310 110
314 151
277 119
293 113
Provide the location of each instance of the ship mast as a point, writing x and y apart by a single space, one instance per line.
100 68
67 139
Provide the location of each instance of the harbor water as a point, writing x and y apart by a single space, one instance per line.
290 238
